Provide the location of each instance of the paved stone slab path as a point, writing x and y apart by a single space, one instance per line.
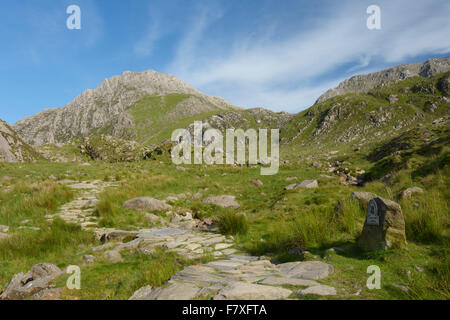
232 275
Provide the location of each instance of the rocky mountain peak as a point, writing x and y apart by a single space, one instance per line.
363 83
95 108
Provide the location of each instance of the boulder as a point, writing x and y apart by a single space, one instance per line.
23 286
307 184
146 203
249 291
224 201
112 256
408 193
384 226
291 186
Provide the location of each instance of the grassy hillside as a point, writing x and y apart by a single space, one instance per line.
361 121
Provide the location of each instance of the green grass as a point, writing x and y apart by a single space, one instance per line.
233 223
273 221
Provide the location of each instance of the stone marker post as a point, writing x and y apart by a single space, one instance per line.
384 227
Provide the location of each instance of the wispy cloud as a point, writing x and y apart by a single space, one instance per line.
251 71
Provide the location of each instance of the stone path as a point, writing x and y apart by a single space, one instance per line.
80 210
242 277
231 276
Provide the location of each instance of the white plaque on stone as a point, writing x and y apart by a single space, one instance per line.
373 218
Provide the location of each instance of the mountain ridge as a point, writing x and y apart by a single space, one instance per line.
95 108
364 82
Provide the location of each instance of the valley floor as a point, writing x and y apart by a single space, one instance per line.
279 244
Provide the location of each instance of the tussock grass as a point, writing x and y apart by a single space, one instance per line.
233 223
54 239
125 277
31 201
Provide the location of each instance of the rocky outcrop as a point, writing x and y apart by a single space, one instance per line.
23 286
363 83
104 106
12 147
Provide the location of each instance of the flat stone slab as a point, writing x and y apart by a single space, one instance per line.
164 232
310 270
277 281
250 291
320 290
177 291
146 203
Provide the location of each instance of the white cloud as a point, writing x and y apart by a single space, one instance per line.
250 72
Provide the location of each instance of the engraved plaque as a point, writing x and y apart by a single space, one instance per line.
373 218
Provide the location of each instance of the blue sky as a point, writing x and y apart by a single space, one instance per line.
257 53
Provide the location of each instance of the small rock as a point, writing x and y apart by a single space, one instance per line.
146 251
88 258
112 256
420 269
401 287
408 193
307 184
257 182
4 229
152 217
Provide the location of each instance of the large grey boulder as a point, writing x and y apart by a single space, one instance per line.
248 291
37 279
384 226
146 203
224 201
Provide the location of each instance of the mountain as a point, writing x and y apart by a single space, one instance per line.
12 147
363 83
359 122
126 106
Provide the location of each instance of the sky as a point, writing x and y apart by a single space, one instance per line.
277 54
